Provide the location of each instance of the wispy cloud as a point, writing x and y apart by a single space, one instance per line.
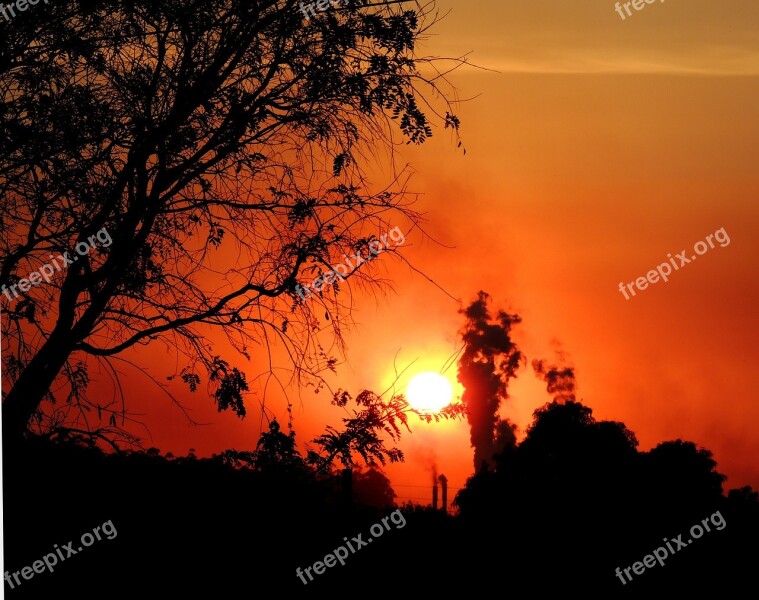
679 37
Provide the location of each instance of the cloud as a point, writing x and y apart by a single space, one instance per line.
677 37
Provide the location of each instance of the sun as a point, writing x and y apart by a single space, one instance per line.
429 392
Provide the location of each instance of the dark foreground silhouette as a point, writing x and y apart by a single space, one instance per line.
558 512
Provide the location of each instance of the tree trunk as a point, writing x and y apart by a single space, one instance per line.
34 382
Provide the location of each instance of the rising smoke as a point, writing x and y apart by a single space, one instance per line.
489 360
559 382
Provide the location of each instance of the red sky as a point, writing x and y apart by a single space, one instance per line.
598 147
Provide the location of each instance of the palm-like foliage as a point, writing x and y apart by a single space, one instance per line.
363 432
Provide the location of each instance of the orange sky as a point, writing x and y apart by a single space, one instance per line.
600 146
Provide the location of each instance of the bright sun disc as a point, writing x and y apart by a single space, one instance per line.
429 392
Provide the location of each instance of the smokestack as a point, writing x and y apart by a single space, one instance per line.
434 494
444 485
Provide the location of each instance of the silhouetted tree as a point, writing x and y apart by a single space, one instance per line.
179 129
681 474
745 495
363 433
566 453
277 450
371 487
576 499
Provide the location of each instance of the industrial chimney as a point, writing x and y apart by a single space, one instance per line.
434 493
444 485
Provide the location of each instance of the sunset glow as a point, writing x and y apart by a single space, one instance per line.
429 392
281 280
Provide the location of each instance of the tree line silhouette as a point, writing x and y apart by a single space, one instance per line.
558 511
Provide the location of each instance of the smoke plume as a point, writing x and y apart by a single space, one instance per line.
559 382
489 360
